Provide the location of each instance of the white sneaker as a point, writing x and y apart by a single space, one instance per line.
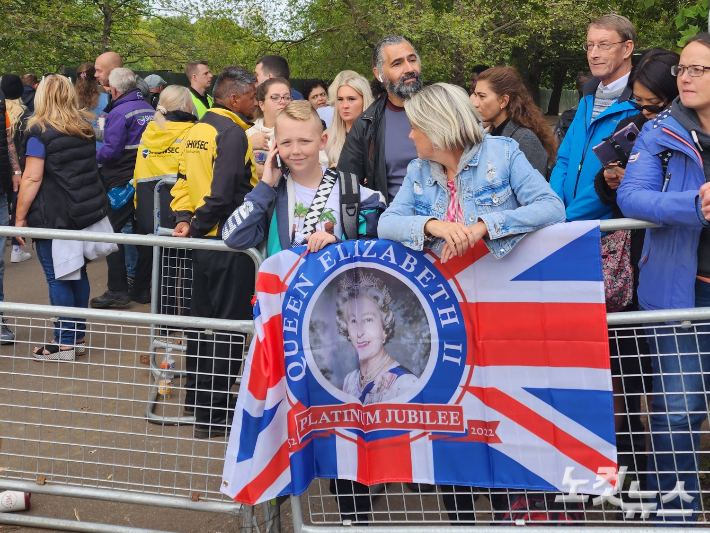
18 257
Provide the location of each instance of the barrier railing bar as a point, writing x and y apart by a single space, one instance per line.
139 498
69 525
478 529
215 244
247 326
124 238
662 315
128 317
614 224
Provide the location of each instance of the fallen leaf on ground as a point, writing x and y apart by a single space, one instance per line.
110 476
93 451
77 515
41 480
195 496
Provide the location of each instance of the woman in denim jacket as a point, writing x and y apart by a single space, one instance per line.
464 187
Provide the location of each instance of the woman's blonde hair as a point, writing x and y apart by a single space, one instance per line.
14 109
173 98
336 132
445 114
57 106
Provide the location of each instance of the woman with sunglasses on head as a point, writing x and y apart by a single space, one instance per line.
666 183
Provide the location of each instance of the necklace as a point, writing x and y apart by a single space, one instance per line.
372 375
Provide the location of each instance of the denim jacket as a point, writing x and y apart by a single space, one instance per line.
496 184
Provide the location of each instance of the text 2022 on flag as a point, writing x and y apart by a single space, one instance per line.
376 363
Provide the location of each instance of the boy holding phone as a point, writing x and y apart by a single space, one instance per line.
298 203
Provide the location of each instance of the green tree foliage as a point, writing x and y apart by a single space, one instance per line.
43 35
541 38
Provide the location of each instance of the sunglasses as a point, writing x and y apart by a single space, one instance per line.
650 108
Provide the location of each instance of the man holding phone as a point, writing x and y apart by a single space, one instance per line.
609 45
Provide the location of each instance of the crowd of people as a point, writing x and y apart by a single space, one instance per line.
436 166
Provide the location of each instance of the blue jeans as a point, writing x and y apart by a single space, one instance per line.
69 293
131 251
4 221
681 379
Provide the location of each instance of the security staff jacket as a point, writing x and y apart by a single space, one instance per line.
219 170
124 127
160 151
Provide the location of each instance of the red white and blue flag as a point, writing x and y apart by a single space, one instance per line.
497 372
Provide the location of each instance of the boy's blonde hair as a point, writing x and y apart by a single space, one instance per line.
300 110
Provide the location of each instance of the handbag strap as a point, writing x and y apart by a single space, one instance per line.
349 205
318 204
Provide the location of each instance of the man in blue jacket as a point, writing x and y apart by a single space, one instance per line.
609 46
125 124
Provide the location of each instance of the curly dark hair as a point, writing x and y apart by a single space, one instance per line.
87 88
310 85
521 106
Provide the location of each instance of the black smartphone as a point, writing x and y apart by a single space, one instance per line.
279 164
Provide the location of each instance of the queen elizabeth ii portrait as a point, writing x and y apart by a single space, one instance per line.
365 319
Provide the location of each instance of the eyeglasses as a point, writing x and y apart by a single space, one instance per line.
275 98
694 71
651 108
602 46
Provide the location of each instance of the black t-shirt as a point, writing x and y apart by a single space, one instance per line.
498 130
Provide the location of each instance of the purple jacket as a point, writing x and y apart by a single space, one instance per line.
125 123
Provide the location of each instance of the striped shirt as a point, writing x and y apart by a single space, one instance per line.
604 100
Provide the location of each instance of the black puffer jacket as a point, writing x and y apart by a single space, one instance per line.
71 195
363 153
5 168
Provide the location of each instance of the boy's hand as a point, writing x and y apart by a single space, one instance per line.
318 240
271 174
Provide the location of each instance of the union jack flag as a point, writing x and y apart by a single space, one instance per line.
514 397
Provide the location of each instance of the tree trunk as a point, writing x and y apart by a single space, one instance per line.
108 21
558 80
458 73
527 62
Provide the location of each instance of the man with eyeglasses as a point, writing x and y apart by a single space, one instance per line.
609 46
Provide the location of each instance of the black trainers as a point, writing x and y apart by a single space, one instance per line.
210 432
110 299
141 296
6 334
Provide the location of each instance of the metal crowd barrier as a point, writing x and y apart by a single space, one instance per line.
85 428
171 289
